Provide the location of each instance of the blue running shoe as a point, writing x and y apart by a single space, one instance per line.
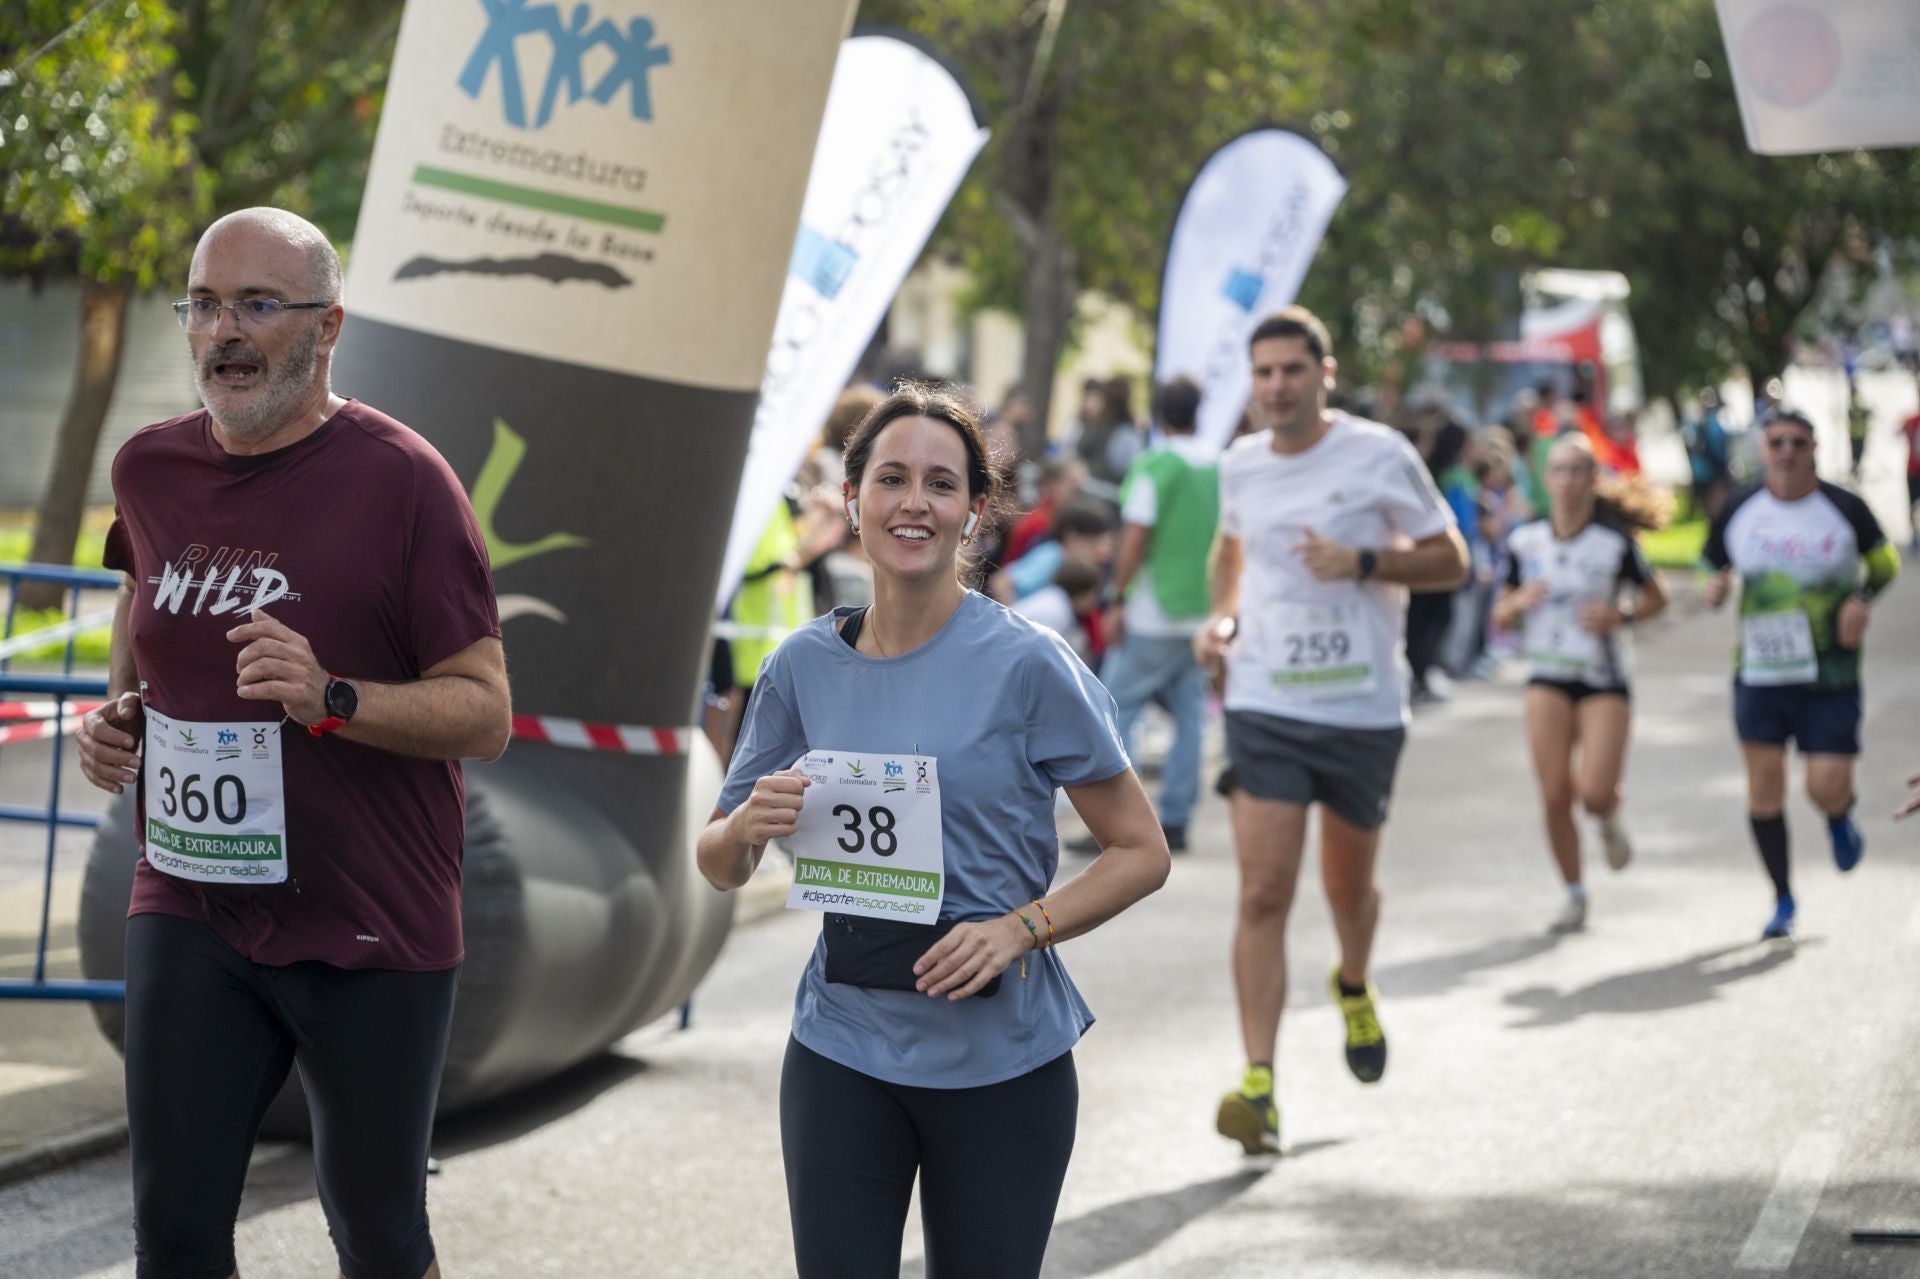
1781 925
1848 845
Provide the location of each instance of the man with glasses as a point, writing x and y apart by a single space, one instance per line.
305 645
1810 558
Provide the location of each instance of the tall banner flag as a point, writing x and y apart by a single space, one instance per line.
1242 242
899 135
1831 76
569 259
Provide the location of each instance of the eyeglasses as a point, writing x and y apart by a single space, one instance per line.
202 315
1785 443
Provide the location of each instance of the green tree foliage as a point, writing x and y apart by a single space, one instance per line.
1484 137
1101 113
95 175
1480 138
126 126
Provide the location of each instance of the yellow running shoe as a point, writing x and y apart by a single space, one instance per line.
1250 1115
1366 1042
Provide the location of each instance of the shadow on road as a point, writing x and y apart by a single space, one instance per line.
534 1107
1113 1235
1693 980
97 1230
1438 975
92 1228
1596 1231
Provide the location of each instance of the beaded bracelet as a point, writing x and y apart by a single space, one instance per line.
1049 918
1031 928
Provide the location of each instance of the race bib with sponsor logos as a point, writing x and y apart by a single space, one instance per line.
1317 650
868 841
1777 648
216 801
1557 646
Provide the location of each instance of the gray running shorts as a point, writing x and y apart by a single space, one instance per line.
1350 770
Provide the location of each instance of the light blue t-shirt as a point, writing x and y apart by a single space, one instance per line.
1010 714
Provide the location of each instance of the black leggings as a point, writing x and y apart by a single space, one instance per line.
990 1161
210 1038
1429 614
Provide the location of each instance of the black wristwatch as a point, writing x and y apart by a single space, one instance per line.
1368 562
342 699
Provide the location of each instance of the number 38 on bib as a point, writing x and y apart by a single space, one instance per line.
216 807
868 841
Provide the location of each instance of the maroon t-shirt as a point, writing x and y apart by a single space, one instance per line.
369 534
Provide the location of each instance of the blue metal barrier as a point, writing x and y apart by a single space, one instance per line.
61 688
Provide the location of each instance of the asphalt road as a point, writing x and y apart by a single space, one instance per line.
1661 1095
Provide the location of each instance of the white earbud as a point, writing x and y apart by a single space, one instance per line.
853 514
973 522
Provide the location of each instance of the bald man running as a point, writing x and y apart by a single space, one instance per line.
304 647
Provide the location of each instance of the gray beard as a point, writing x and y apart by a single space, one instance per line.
268 407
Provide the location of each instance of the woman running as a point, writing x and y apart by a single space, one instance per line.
1575 581
940 1048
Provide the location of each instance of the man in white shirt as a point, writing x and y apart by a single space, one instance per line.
1325 521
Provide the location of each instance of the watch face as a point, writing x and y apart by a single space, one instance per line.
342 698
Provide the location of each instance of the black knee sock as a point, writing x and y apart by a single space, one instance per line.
1770 837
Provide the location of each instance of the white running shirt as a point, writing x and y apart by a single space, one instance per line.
1591 567
1325 652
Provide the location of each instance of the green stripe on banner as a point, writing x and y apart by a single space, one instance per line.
530 197
894 883
239 848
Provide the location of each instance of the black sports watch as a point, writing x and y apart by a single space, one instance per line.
1368 562
342 699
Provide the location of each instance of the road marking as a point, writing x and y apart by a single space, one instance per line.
1789 1209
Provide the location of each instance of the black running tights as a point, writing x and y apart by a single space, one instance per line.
990 1162
210 1039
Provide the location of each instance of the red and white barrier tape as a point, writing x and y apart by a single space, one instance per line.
41 710
622 739
39 730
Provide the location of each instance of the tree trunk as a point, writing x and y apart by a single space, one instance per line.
103 327
1048 290
1046 304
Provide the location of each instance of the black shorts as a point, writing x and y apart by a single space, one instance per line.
210 1038
1913 489
1350 770
1820 721
1578 690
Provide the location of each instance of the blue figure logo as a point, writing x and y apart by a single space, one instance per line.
228 737
569 46
1243 288
634 57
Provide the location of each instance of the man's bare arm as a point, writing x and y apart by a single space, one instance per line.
1437 563
459 708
